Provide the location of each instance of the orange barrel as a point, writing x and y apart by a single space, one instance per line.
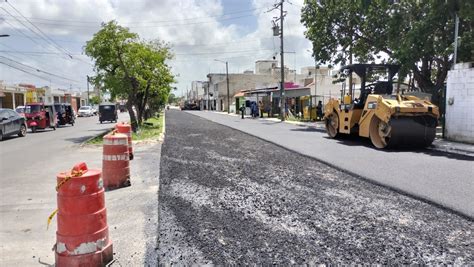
125 128
82 238
115 161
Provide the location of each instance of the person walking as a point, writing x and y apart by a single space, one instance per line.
242 110
260 108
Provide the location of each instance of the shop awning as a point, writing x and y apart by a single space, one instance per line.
294 92
239 94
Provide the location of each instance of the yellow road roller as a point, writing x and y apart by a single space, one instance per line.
389 120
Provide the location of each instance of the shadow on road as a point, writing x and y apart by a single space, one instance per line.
11 137
309 129
352 140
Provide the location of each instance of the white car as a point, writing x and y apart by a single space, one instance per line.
85 111
94 110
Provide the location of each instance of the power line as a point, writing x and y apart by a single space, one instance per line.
39 70
36 52
141 22
22 56
19 31
222 52
60 48
144 26
25 71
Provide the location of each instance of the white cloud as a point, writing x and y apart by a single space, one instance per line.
198 30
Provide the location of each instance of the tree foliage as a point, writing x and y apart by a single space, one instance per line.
418 35
95 100
131 69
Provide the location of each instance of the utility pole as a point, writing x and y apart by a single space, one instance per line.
88 99
350 73
227 78
282 67
208 97
456 30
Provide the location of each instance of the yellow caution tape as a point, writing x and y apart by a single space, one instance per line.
50 217
67 178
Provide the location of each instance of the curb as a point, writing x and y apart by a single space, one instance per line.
161 138
420 198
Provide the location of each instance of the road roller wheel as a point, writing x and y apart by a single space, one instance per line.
380 133
332 125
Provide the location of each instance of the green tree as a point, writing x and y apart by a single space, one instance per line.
95 100
172 99
418 35
130 68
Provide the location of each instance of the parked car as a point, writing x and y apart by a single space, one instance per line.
190 106
85 111
11 123
95 110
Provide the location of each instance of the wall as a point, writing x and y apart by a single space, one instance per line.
460 103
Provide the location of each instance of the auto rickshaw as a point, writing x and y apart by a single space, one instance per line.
40 116
108 112
66 116
60 114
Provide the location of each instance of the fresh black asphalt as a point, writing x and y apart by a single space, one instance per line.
226 197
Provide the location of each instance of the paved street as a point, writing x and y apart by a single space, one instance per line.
230 198
28 174
444 179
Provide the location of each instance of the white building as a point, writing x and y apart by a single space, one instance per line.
460 103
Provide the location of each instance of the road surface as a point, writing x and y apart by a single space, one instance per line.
442 178
228 198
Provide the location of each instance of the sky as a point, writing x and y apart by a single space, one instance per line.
47 37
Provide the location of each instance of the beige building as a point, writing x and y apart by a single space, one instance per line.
12 96
267 74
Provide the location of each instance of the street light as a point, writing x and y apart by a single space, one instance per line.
227 78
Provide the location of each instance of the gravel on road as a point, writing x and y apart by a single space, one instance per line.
226 197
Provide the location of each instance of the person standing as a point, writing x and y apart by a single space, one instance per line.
319 110
242 110
260 108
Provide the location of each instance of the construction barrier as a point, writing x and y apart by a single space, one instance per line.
82 237
125 128
115 161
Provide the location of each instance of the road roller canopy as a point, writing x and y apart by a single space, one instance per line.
362 69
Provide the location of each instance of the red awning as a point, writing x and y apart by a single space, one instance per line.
239 94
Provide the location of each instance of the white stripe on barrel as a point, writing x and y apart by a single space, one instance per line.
115 157
115 141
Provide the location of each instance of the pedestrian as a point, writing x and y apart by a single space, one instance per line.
319 110
260 108
242 110
253 109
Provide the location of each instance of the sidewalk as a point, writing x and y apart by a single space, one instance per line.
441 178
439 144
